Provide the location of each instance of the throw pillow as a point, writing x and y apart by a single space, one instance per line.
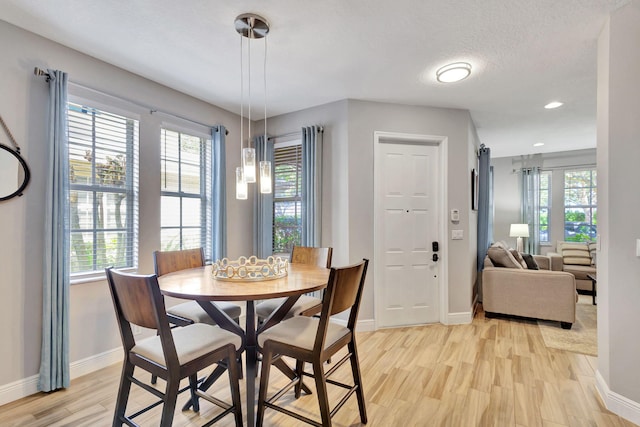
576 254
500 257
592 250
530 261
518 258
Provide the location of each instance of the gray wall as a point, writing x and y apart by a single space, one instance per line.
23 106
348 156
507 190
618 183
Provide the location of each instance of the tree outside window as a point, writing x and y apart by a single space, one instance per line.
544 203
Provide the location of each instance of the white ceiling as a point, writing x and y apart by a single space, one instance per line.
524 54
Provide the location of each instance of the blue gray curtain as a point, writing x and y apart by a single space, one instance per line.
219 194
54 361
312 185
530 208
485 217
263 210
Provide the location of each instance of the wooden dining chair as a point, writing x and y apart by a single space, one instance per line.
315 340
173 354
306 305
189 312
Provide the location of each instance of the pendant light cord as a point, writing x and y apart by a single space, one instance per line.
264 75
249 85
241 99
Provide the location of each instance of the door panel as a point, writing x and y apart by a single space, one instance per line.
407 225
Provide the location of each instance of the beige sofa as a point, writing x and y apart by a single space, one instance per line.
541 294
575 258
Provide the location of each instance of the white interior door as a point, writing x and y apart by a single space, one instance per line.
407 196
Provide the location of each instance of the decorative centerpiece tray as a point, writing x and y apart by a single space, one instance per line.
250 269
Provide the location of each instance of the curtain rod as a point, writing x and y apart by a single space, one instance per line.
42 73
566 167
298 132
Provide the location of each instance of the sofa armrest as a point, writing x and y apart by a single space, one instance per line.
543 261
556 261
540 294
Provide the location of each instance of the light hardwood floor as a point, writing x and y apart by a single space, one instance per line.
493 372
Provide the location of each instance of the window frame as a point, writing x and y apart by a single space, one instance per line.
205 187
132 188
549 191
296 142
591 207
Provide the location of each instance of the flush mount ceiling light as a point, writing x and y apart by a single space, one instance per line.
552 105
538 144
453 72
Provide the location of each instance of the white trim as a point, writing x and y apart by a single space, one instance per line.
366 325
616 403
442 143
28 386
462 318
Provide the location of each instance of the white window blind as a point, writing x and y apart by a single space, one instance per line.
186 181
103 184
287 200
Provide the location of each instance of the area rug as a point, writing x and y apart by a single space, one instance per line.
581 338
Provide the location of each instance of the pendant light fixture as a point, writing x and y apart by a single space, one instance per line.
251 26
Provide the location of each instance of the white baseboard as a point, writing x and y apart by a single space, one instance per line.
462 318
28 386
366 325
616 403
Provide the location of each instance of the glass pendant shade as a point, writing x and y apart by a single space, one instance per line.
265 177
241 185
249 164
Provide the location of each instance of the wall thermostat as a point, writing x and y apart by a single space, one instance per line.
455 215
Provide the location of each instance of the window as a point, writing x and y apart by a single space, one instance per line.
103 186
287 199
186 173
544 204
580 205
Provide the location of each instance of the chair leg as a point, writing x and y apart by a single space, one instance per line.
357 380
170 397
193 386
323 397
235 386
264 384
123 393
299 369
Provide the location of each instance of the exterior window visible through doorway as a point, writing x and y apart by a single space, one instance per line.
580 205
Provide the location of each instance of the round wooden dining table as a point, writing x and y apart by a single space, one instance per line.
200 285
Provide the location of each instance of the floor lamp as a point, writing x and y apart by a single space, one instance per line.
519 231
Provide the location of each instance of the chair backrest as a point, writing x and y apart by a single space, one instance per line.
137 300
343 291
311 256
170 261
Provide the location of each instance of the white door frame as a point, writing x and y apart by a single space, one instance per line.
441 142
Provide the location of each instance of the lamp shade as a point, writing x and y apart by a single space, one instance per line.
519 230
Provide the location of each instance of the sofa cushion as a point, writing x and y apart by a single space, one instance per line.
501 257
575 253
530 261
580 271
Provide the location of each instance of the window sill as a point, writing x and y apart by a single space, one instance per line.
95 277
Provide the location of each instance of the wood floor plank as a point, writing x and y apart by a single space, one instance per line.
492 372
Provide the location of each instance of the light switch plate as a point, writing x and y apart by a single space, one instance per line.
457 234
638 247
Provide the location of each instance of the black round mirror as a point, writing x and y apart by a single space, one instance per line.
14 173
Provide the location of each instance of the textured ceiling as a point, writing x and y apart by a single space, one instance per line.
524 54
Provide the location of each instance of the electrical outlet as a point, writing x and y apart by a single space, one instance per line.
137 330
